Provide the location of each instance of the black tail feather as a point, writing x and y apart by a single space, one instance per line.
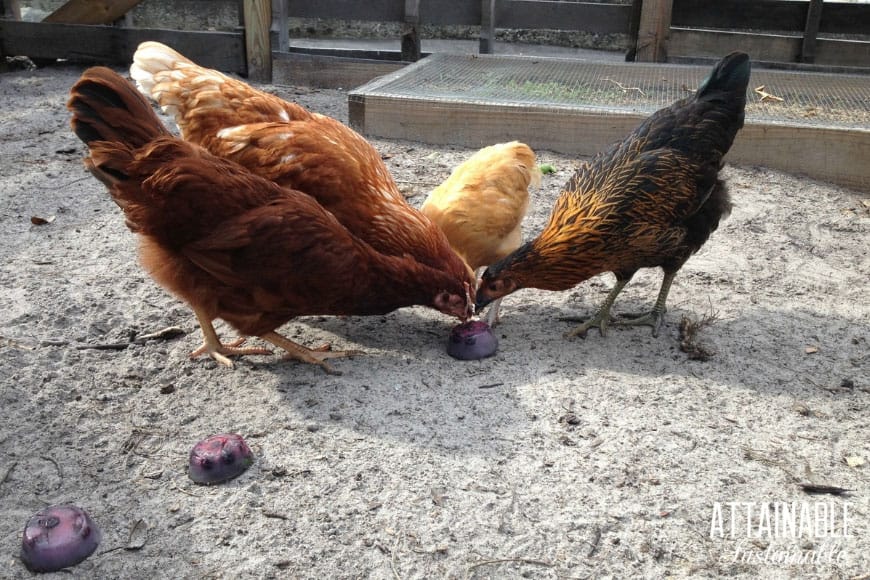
729 78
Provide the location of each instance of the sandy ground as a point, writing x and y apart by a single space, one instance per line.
554 459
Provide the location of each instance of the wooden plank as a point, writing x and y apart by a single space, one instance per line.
829 154
779 15
528 14
654 31
601 18
487 26
835 155
767 47
328 72
91 11
814 17
110 45
258 41
370 10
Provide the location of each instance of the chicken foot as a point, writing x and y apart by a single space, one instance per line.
215 349
316 356
656 316
602 318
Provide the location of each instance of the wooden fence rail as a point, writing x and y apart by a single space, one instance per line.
658 30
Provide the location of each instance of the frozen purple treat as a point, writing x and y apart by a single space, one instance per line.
58 537
472 340
219 458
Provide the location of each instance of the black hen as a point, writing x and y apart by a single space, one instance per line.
651 200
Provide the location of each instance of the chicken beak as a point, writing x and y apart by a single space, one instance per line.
481 302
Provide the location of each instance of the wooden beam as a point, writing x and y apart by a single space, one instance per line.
779 15
411 31
111 45
91 11
258 41
654 30
811 31
487 26
767 47
328 72
602 18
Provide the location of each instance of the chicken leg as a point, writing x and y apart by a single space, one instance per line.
602 318
215 349
656 316
312 356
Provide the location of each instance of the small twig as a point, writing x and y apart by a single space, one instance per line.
105 346
11 342
490 386
820 488
139 527
426 183
275 516
593 545
624 88
508 560
8 471
163 334
393 561
765 96
56 466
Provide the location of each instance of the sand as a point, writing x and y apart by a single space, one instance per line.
615 456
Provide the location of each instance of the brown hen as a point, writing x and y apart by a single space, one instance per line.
482 204
651 200
296 148
234 245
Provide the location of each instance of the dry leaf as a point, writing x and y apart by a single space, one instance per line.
41 221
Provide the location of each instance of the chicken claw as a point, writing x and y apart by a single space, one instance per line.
215 349
316 356
601 319
218 351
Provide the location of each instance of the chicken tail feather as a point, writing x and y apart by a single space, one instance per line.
108 108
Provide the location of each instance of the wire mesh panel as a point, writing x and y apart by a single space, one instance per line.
796 97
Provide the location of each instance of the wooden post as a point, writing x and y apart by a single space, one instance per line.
283 26
653 30
10 9
411 32
487 26
811 31
258 43
633 27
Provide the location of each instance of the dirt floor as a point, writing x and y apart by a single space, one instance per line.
610 457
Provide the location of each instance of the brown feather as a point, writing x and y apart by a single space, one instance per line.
238 246
295 148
